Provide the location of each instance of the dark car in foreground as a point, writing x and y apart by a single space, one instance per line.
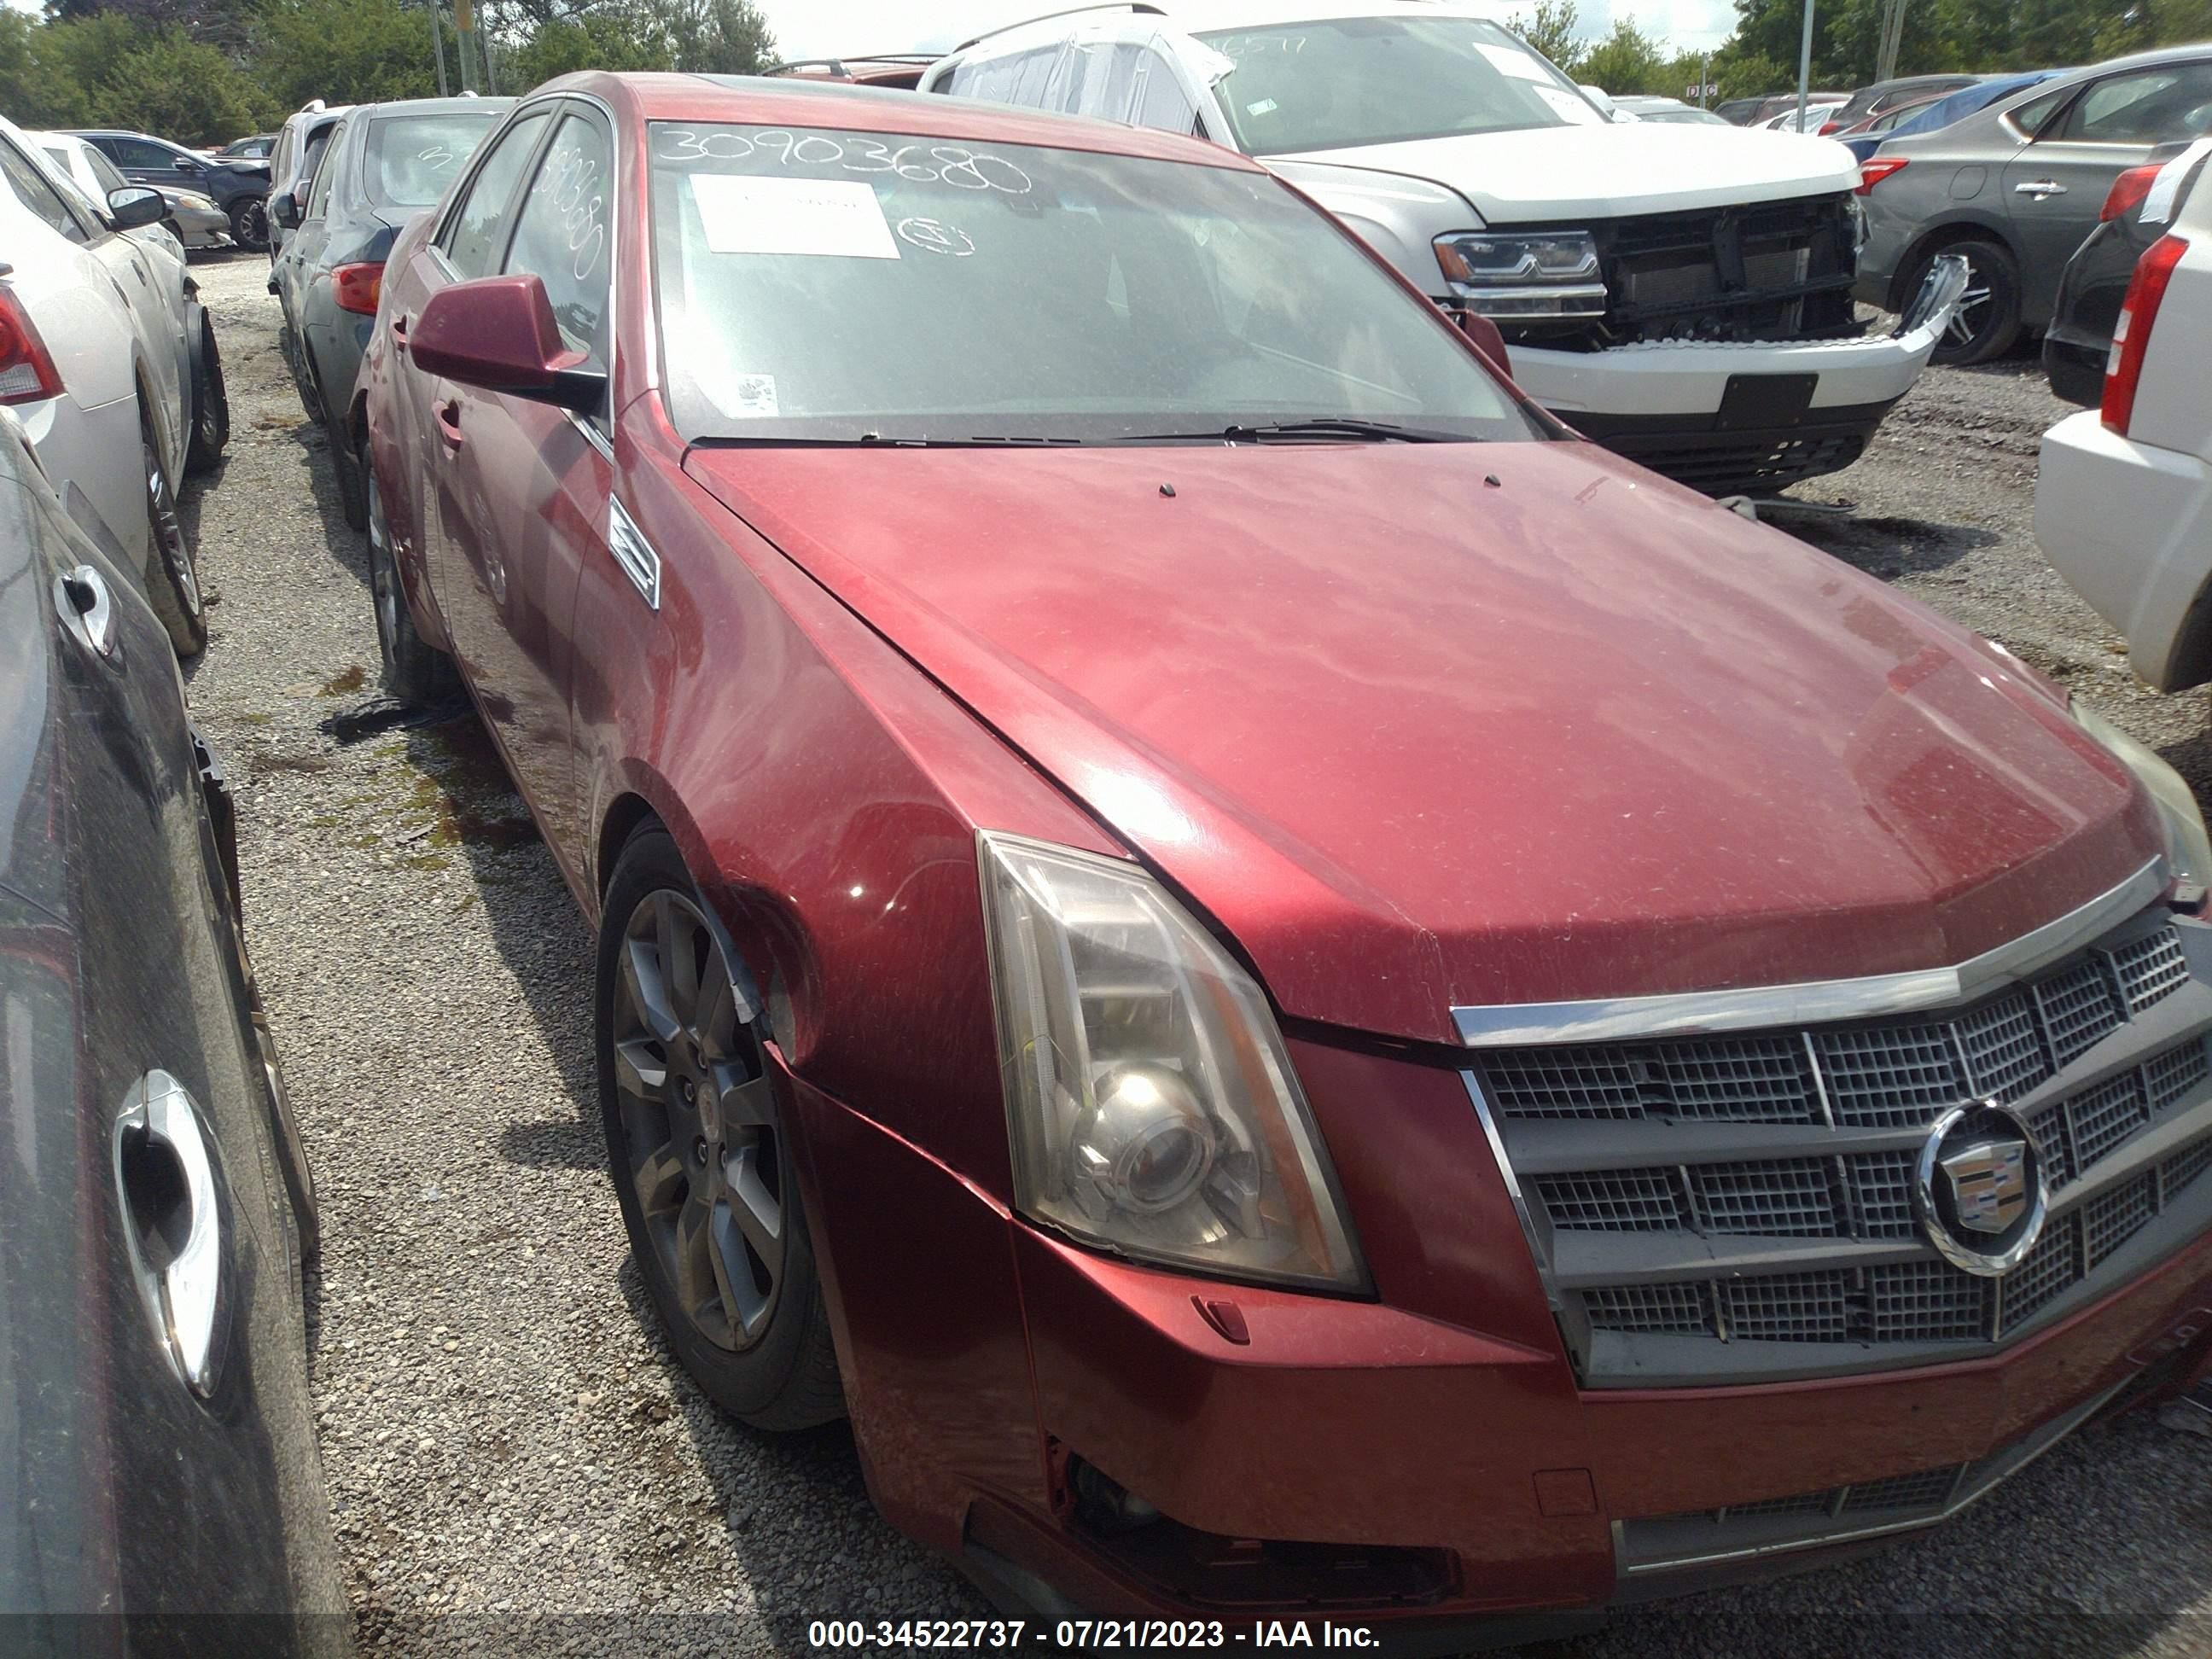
1300 991
158 1464
2077 347
2015 188
241 189
384 163
1883 96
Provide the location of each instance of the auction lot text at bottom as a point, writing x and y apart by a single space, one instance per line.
1082 1635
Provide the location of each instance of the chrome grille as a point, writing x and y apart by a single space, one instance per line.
1720 1166
2150 967
1611 1200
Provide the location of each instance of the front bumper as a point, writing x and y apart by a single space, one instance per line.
2127 525
202 227
1424 1463
1722 416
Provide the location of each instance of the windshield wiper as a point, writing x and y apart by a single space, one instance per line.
1319 427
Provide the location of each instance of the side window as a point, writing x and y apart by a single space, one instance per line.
326 173
477 235
282 155
563 234
2030 116
32 190
1161 102
2150 107
137 153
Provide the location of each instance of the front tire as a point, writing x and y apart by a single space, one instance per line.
249 224
416 672
210 405
173 584
1987 323
701 1154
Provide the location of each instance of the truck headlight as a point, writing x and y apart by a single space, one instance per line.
1504 274
2188 848
1151 1103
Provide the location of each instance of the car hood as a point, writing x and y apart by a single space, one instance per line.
1427 726
1608 172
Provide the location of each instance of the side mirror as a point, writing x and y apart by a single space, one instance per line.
185 164
1483 335
285 210
497 333
136 206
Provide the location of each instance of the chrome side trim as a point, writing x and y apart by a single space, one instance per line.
1536 1250
1508 1024
633 552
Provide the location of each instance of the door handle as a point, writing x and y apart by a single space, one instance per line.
399 332
2039 187
449 422
86 608
165 1171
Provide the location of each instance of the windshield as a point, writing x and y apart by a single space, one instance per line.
840 286
1377 80
412 158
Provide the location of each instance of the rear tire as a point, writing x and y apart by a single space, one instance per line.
416 672
701 1157
173 584
1987 323
210 405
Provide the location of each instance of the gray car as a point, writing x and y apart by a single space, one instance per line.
2016 187
384 164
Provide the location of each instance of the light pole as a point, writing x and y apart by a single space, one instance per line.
437 45
1804 62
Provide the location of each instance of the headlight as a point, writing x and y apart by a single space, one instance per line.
1553 273
2188 848
1152 1106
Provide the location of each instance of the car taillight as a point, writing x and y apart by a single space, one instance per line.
2128 192
2123 365
357 287
1831 127
27 374
1873 172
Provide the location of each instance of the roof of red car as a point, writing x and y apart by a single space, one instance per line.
783 101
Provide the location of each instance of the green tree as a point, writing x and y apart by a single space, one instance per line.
606 41
345 51
1550 29
1625 62
713 37
38 87
178 88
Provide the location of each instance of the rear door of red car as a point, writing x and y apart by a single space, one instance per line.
524 487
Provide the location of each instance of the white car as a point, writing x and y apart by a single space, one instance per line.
2123 495
1680 294
108 361
299 144
193 221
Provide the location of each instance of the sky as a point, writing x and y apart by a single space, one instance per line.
818 28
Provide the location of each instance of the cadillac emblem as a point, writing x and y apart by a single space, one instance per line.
1980 1194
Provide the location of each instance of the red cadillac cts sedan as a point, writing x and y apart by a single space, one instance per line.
1301 993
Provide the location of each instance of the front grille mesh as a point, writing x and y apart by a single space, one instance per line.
1797 1088
1926 1489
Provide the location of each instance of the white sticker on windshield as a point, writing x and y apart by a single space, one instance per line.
1265 106
1512 60
832 218
1568 107
2158 206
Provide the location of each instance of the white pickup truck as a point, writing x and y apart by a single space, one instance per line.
1679 293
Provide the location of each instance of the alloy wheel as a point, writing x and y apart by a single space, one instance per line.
170 545
700 1138
1971 314
251 225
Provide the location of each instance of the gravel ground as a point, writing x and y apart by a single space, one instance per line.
515 1462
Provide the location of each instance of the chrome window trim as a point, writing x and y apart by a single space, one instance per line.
1512 1025
634 554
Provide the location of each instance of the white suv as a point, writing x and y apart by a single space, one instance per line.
1680 293
2124 496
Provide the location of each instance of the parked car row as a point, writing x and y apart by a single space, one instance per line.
110 365
971 598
